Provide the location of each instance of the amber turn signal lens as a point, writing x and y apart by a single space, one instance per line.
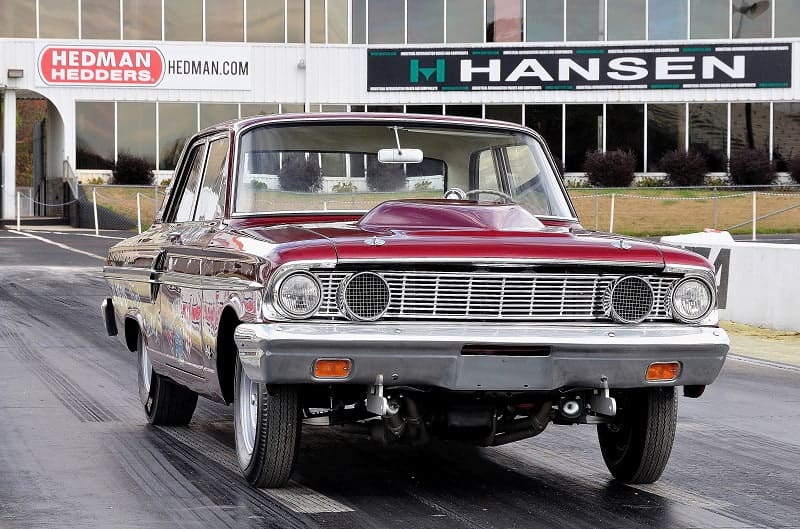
332 367
663 371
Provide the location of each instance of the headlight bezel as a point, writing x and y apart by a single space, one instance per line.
712 294
277 297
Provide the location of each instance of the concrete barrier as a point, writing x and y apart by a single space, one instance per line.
758 283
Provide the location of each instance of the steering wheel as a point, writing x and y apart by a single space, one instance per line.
507 199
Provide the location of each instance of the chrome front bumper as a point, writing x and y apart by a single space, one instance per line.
431 354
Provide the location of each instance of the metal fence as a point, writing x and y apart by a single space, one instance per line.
669 210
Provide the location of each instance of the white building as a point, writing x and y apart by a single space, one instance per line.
139 76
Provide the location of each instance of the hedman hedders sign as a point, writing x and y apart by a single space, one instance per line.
580 68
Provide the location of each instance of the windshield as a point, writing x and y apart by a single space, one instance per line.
335 167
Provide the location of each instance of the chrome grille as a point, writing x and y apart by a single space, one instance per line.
493 296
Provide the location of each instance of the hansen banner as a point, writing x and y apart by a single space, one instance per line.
648 67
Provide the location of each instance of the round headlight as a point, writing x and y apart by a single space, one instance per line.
692 299
299 295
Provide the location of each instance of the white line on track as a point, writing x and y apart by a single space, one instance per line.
62 246
764 363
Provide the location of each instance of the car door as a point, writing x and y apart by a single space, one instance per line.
181 265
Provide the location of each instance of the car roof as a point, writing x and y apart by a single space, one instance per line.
360 117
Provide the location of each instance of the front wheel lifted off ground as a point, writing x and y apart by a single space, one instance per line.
267 425
637 448
165 403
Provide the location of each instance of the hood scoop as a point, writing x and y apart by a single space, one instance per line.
414 215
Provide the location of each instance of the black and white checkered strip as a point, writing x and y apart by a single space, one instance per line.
494 296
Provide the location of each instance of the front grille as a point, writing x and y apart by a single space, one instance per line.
364 296
491 296
631 299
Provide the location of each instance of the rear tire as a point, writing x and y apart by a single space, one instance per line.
165 403
637 449
267 426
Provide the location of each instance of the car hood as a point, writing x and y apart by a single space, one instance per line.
448 231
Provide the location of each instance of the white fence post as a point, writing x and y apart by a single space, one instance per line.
138 212
18 211
611 223
754 215
94 203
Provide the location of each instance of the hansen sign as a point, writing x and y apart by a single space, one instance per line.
580 68
162 66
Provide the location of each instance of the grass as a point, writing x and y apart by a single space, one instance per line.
637 211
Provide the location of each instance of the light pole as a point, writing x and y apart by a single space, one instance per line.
752 11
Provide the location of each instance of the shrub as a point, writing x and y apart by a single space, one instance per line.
300 174
423 186
793 166
751 167
610 169
344 187
651 181
384 176
132 170
717 181
684 168
94 181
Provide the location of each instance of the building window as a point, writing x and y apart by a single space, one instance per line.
359 21
425 21
544 20
625 130
512 113
708 133
183 20
787 18
626 19
388 109
141 20
99 19
337 21
709 19
136 131
94 135
213 113
259 109
467 111
750 126
58 19
751 19
292 108
18 19
176 122
225 20
546 120
503 20
386 21
465 21
266 21
584 133
786 132
425 109
317 20
667 19
585 20
295 21
666 131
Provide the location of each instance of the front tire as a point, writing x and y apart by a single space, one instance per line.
267 426
637 449
165 403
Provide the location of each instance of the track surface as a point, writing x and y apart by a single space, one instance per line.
75 450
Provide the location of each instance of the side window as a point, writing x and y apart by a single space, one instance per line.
211 204
189 195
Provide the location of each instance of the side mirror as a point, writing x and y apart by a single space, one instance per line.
400 156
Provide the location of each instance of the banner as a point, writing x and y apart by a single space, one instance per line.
161 66
650 67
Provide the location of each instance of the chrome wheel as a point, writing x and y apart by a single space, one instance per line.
247 412
146 368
